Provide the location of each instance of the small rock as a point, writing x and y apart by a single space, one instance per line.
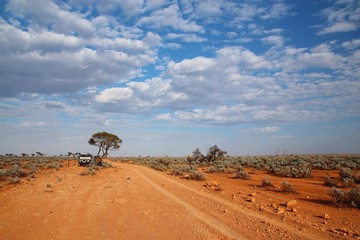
252 194
291 203
187 176
325 216
252 200
280 210
274 205
293 209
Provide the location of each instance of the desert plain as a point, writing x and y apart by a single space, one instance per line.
127 200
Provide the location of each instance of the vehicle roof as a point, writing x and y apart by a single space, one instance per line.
85 155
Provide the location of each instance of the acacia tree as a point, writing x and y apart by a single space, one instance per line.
214 153
105 141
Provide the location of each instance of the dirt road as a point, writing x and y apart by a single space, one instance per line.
132 202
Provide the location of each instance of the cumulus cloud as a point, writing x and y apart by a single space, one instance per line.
43 13
320 56
101 56
53 62
140 96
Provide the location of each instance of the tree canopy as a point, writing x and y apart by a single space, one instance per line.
105 142
214 153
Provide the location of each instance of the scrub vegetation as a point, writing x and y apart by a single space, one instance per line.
344 188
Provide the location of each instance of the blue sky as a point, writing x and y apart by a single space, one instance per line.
169 76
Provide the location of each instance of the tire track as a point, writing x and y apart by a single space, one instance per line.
149 174
201 215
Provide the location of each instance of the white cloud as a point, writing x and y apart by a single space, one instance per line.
341 17
353 44
241 113
186 37
320 56
37 124
43 13
169 17
14 40
163 117
264 130
231 34
208 8
114 94
154 4
141 96
275 40
153 39
278 10
339 27
56 62
245 57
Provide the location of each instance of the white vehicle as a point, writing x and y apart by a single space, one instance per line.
85 159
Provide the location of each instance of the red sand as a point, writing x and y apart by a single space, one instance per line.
135 202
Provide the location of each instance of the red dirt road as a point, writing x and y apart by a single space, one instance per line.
135 202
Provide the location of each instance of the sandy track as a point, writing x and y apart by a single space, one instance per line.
130 202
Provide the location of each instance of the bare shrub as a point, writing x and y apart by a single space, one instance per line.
241 173
351 197
16 171
287 187
329 181
3 174
338 195
181 170
106 165
349 182
90 171
14 180
267 182
55 165
354 196
198 176
357 178
345 173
